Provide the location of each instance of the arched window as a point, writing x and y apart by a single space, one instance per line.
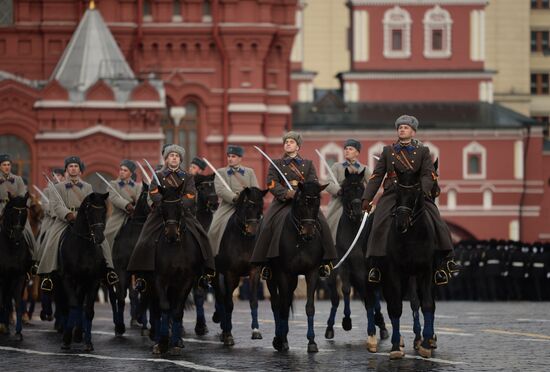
474 161
374 152
180 126
437 33
397 33
6 12
19 153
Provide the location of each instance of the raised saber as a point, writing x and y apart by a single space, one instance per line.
51 184
365 216
217 174
324 161
275 166
144 172
109 185
152 171
41 193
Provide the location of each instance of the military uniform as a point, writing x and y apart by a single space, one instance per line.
129 193
335 207
237 178
45 226
397 158
143 256
296 170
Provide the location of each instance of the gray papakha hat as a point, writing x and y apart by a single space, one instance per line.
409 120
293 135
173 148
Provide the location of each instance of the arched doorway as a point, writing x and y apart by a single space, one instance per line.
20 155
182 130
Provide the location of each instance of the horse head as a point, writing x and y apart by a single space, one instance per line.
171 209
409 200
142 204
15 217
206 192
93 214
249 209
305 209
352 191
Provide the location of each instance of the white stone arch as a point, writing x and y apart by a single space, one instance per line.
437 20
332 153
474 149
434 152
398 20
374 150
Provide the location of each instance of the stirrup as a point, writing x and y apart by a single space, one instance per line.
265 273
452 266
46 285
375 276
112 278
441 277
141 285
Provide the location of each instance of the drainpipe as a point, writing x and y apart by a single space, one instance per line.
139 37
225 69
527 140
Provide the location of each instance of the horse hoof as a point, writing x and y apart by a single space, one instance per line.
156 349
120 329
346 323
433 342
312 347
89 347
372 344
329 333
18 337
77 335
201 329
384 334
285 346
256 334
26 319
228 340
216 317
402 344
424 352
277 343
145 332
175 351
397 354
45 317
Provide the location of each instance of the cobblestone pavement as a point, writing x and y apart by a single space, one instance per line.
471 337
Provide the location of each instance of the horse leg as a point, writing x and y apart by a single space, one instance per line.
427 304
254 280
335 301
275 299
346 292
415 305
164 310
231 281
117 302
176 341
393 293
370 304
89 313
379 317
74 315
198 296
311 281
17 290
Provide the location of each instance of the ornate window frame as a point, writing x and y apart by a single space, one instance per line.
397 18
330 152
374 150
474 149
435 19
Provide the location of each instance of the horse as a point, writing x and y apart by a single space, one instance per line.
207 204
300 253
233 261
123 246
353 271
179 262
81 268
410 253
15 262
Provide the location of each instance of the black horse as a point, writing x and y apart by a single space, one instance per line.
15 260
233 260
179 262
123 246
82 266
410 253
300 253
353 271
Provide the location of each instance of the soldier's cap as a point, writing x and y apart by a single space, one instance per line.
167 149
409 120
293 135
199 163
59 171
353 143
5 157
129 164
235 150
74 160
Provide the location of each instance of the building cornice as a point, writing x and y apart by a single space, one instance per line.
99 104
135 136
417 2
414 75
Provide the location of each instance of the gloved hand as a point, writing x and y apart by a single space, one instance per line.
367 205
70 217
290 194
130 208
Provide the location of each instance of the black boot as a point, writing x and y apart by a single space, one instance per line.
375 276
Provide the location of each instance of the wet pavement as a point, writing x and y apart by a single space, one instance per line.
471 337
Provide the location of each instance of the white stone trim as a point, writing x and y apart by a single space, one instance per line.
247 107
513 229
397 18
99 128
351 91
279 109
434 152
417 75
477 35
297 53
99 104
451 200
474 148
330 148
518 160
374 150
437 19
418 2
242 138
305 91
487 199
360 35
495 211
486 93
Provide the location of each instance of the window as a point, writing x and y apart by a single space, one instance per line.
206 11
474 161
6 12
474 164
397 33
147 11
540 41
176 11
375 151
437 33
539 84
182 130
20 155
545 120
540 4
333 154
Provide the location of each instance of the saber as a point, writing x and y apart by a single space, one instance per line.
144 172
324 161
41 193
365 216
376 157
109 184
217 174
275 166
152 171
50 183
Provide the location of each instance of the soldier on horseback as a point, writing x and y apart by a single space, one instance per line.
171 175
124 202
297 170
66 199
407 154
197 166
237 178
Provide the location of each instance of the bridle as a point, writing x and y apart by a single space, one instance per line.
300 222
170 221
246 223
18 226
91 226
414 213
